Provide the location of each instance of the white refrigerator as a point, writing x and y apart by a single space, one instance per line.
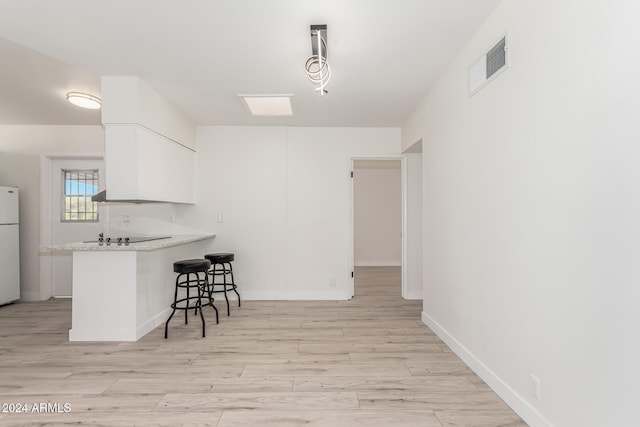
9 246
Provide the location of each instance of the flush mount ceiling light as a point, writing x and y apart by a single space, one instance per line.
317 65
268 105
84 100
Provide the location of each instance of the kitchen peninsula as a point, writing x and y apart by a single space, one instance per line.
122 292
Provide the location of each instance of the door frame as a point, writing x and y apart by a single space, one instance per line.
46 215
404 207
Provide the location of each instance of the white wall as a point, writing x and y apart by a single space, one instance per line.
413 267
412 129
319 229
242 175
20 150
531 208
378 213
285 197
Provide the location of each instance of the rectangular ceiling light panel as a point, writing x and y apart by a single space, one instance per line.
268 105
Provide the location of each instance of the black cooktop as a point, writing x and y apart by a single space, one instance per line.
145 239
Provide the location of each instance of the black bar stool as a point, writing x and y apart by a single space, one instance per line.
221 266
192 274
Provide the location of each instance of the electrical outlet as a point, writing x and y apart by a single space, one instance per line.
535 386
220 218
332 282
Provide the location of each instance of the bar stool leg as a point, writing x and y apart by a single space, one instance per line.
186 311
234 284
224 287
199 302
209 290
199 285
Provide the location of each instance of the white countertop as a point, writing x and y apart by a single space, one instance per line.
142 246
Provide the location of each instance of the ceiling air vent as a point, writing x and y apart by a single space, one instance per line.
489 66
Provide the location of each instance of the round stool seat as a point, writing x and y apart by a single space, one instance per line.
219 258
191 265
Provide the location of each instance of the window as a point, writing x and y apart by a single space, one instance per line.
78 187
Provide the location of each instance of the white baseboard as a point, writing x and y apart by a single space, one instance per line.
527 412
283 296
318 296
415 295
377 264
255 296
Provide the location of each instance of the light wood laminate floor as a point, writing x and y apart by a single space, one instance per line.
369 361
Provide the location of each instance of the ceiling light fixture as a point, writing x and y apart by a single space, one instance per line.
317 65
84 100
268 105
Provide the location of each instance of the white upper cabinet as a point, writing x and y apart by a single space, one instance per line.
149 144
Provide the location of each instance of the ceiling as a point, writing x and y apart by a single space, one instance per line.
200 54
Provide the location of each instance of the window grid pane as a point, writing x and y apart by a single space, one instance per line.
79 186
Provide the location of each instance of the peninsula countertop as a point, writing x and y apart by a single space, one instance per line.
141 246
121 293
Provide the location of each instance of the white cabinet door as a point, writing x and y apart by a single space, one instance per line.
144 165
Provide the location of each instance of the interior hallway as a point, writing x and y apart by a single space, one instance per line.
369 361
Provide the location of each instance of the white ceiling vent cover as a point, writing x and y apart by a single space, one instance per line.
488 67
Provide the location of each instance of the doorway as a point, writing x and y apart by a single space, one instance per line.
69 216
378 217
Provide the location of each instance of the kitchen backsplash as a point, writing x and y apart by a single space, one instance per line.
142 219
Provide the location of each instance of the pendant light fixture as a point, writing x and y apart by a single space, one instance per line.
317 65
